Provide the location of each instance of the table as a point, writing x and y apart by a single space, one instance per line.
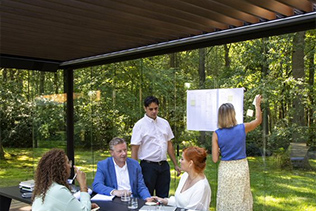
116 204
14 192
9 193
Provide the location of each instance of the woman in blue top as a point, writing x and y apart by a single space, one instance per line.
229 141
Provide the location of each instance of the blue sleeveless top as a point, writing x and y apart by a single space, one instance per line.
232 142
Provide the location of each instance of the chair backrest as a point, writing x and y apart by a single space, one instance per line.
298 149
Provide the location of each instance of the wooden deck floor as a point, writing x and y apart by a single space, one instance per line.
19 206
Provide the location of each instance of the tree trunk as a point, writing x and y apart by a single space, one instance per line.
298 74
1 151
202 68
56 82
140 107
265 112
227 59
4 74
19 81
202 85
42 83
1 147
174 64
311 82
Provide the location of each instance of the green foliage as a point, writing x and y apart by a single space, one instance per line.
282 158
15 116
109 98
49 118
281 135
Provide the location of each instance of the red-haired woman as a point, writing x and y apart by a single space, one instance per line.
193 191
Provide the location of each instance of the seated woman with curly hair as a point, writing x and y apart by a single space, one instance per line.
51 191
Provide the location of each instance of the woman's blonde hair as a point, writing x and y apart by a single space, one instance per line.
226 116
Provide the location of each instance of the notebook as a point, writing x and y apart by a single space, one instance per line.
27 185
162 208
100 197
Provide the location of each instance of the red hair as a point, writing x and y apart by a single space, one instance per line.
198 156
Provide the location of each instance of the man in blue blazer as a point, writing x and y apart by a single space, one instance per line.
118 174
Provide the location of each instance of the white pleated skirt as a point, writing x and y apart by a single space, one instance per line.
233 193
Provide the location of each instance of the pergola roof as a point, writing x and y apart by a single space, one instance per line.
52 34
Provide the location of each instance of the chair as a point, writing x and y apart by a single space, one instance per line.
299 155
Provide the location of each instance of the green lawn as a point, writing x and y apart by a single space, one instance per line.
272 187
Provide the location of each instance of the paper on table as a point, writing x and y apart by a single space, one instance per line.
163 208
27 185
101 197
77 194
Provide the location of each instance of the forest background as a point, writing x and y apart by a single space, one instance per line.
108 99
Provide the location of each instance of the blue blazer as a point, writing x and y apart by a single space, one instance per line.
105 178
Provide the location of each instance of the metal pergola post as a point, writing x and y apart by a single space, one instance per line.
68 86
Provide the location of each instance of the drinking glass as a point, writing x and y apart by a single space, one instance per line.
125 197
133 203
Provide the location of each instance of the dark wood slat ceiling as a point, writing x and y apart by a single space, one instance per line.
225 10
304 5
65 30
274 6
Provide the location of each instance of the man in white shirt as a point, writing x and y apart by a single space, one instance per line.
118 174
151 141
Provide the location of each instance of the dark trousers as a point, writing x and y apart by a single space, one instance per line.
156 177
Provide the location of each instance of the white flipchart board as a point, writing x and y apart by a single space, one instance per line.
202 107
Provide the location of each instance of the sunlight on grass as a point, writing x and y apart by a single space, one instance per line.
269 200
285 177
251 158
296 188
291 203
272 202
23 158
312 162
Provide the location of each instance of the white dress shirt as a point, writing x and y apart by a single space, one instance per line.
152 136
122 177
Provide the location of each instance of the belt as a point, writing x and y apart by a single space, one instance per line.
159 163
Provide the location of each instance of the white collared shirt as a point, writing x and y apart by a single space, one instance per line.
122 177
152 136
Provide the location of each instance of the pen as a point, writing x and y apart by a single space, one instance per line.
70 181
74 176
76 173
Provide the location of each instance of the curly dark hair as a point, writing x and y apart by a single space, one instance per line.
51 168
